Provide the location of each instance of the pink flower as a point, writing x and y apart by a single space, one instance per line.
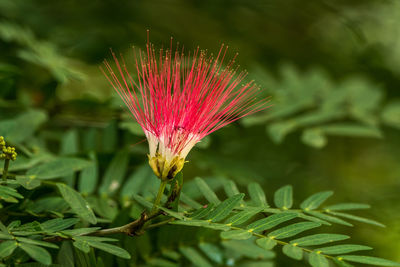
178 100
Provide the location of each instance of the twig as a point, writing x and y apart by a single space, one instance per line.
136 227
154 225
132 229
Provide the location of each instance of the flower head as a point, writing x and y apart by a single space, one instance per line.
178 99
7 152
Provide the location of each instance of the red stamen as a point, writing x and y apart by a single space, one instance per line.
182 99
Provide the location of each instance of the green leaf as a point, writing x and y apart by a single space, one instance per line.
89 176
90 139
342 249
30 120
318 239
158 262
223 209
14 224
236 234
194 257
80 231
5 236
10 191
357 218
49 204
329 218
317 260
248 249
257 263
104 206
171 254
206 191
3 228
29 182
314 137
316 117
77 203
58 224
7 248
115 173
391 114
37 253
200 223
66 255
189 201
243 216
82 246
24 163
109 137
352 130
9 194
271 221
257 195
25 229
369 260
136 181
342 263
36 242
347 206
202 212
283 197
230 188
94 239
59 167
112 249
292 252
213 252
266 243
70 143
293 229
314 201
141 200
312 219
174 214
278 130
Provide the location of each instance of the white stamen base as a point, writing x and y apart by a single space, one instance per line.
158 145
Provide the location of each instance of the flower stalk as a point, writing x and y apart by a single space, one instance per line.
160 193
5 169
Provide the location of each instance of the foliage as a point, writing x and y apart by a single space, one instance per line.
252 221
318 106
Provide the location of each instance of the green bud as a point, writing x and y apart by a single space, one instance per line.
163 169
8 151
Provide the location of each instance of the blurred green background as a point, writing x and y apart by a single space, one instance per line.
331 67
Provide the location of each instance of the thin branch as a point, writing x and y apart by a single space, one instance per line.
154 225
132 229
